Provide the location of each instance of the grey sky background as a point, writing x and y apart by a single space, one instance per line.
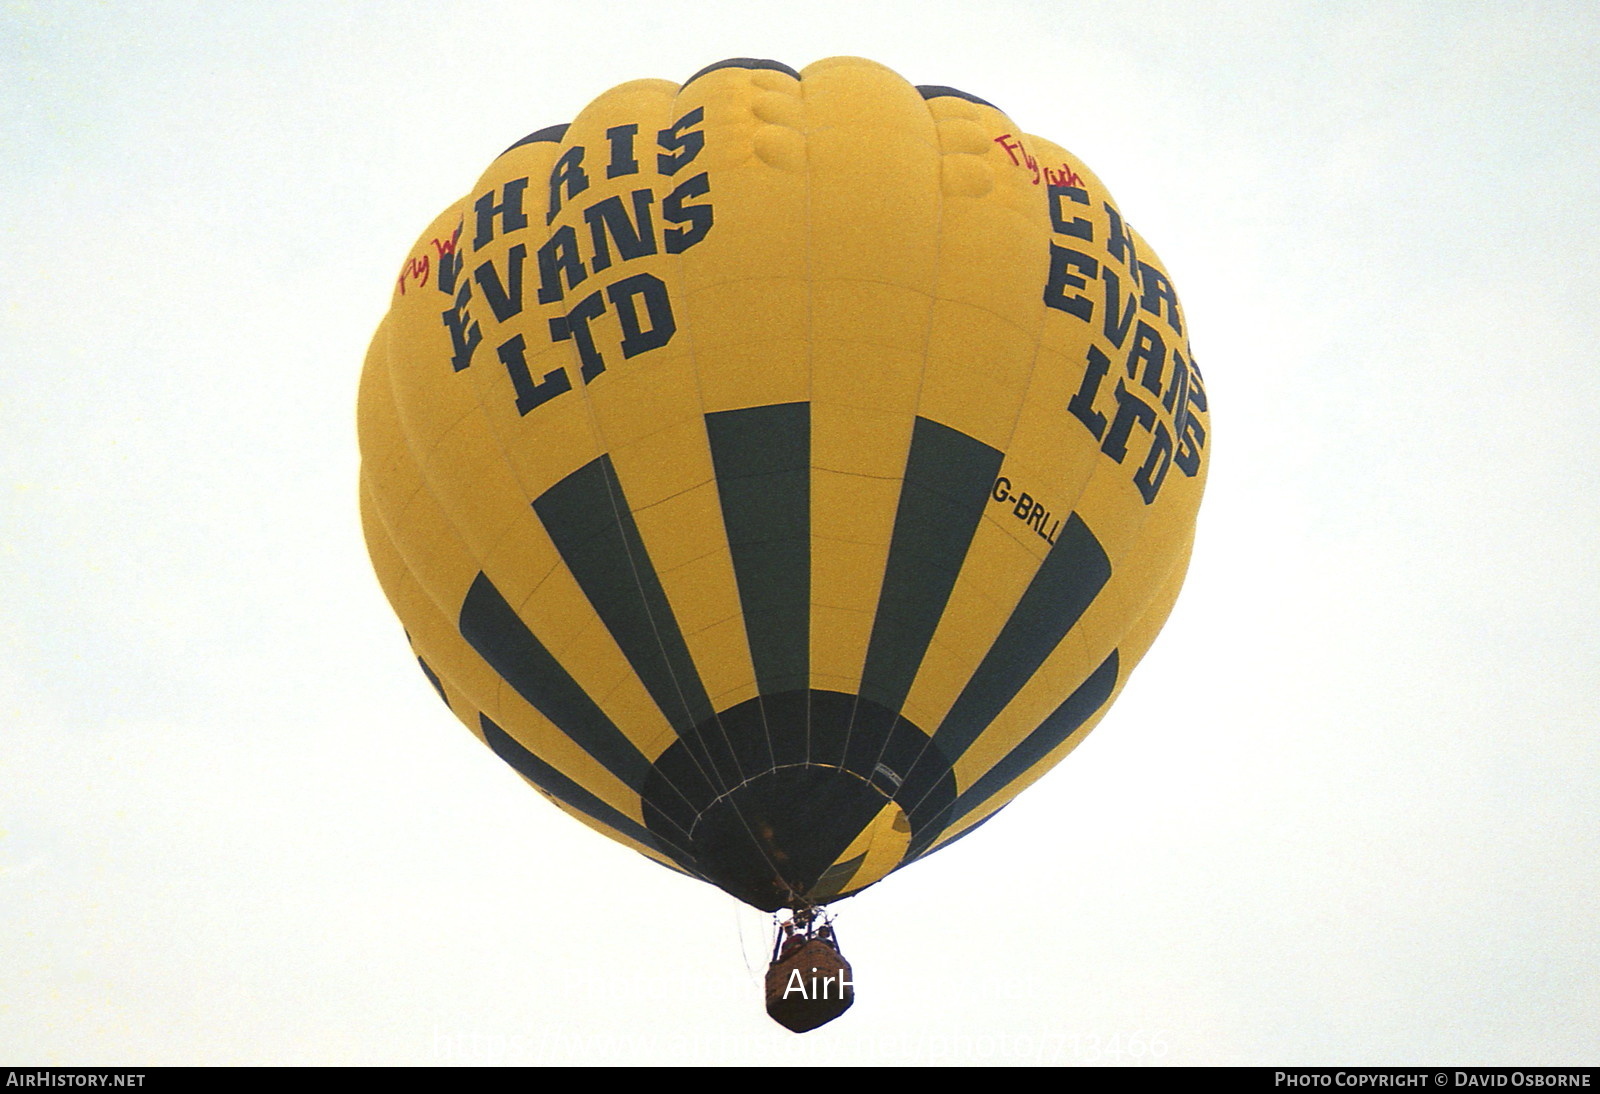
1345 812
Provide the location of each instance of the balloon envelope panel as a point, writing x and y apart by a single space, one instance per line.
784 469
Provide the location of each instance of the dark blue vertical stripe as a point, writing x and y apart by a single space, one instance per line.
493 628
568 792
1068 580
433 678
1078 708
762 457
588 518
961 835
947 483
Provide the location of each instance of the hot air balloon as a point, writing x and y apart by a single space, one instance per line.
782 470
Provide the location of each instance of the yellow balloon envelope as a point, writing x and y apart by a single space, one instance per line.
783 470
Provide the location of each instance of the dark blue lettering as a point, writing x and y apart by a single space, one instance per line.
1118 317
575 325
505 300
680 143
622 158
1176 398
529 394
1077 227
559 254
698 217
624 294
464 332
508 209
1082 402
1150 348
1192 435
568 175
450 262
1120 244
1063 261
1158 293
1130 409
1154 472
634 238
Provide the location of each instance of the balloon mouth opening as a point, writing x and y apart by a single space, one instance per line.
774 837
785 829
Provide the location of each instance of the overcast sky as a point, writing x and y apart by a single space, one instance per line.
1346 811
